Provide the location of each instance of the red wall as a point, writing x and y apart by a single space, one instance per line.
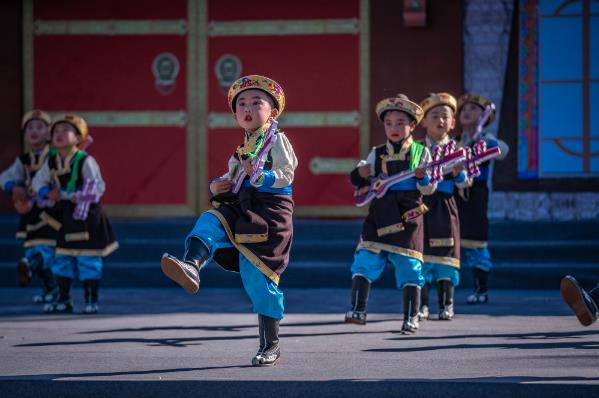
141 165
319 73
414 61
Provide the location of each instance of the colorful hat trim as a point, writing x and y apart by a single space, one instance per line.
437 99
399 104
36 114
75 121
479 100
258 82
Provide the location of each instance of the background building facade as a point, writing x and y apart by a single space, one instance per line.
151 79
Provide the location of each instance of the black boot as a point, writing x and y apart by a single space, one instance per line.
584 305
424 308
480 295
411 304
50 290
187 272
29 267
63 303
269 352
23 272
359 298
90 291
445 294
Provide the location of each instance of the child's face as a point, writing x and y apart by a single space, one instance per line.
253 109
469 114
36 133
398 125
64 136
438 122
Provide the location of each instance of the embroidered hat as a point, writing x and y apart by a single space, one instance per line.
75 121
479 100
35 114
399 103
257 82
437 99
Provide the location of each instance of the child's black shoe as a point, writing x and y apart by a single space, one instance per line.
424 313
356 317
59 307
267 358
269 351
46 296
446 314
478 298
186 274
90 308
410 325
579 301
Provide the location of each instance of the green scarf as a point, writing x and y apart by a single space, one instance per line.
71 184
416 150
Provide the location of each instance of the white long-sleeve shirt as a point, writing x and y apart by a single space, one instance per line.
44 179
491 140
284 163
425 189
15 174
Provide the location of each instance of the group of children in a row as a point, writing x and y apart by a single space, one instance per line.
65 231
249 230
421 225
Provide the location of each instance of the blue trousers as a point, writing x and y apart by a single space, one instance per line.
47 253
266 297
370 265
87 267
434 272
477 258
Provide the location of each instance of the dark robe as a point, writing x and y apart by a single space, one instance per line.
394 222
259 225
39 227
90 237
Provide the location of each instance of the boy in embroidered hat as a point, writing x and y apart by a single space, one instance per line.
71 178
472 202
441 223
37 222
392 230
250 229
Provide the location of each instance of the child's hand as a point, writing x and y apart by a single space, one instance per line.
220 186
362 190
457 169
23 206
54 195
364 171
247 166
19 194
420 172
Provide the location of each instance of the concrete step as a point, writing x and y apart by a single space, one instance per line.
327 249
301 274
336 229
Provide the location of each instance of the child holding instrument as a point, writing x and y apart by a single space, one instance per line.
392 230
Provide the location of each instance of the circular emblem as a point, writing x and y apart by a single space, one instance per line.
227 70
165 68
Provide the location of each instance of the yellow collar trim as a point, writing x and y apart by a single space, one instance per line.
64 167
251 140
38 161
391 155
